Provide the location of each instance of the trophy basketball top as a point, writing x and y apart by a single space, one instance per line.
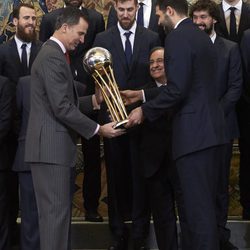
97 58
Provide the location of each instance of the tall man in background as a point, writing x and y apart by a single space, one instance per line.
16 58
206 15
235 19
91 148
124 178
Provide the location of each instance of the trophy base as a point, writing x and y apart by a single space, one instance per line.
121 124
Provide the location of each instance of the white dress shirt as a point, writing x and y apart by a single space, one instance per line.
147 8
227 12
19 44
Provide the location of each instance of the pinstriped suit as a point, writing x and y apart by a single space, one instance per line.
51 139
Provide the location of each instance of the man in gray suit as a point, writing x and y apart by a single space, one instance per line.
54 124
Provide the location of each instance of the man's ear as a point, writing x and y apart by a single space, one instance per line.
15 21
169 11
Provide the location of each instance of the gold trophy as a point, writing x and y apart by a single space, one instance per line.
98 62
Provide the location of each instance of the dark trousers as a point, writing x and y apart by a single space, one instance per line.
126 188
161 190
29 214
196 197
4 215
92 173
222 195
243 111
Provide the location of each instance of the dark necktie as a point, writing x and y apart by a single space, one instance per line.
24 59
232 29
128 47
140 19
67 57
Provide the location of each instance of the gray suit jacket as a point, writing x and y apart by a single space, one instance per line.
55 119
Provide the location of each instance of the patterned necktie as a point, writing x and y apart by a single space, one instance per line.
140 19
232 29
128 47
24 59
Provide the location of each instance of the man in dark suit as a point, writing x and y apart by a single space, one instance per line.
29 214
53 127
205 15
241 15
244 121
16 58
157 164
241 12
91 148
150 20
198 123
6 108
130 65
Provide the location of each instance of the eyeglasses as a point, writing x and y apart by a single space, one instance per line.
158 60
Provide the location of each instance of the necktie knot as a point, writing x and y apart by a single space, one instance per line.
24 45
232 9
127 34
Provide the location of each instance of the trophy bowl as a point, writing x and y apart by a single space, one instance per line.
98 62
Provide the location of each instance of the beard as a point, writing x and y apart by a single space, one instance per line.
207 29
127 25
26 36
167 23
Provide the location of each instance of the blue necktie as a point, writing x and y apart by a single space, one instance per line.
140 19
128 47
232 29
24 60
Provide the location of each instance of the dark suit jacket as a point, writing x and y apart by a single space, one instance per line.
10 64
229 82
155 142
138 73
221 28
55 119
23 106
190 60
153 21
96 25
245 53
7 91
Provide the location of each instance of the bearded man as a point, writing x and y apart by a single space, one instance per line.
16 58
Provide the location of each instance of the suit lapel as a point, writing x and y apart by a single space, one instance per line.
33 53
243 19
223 22
14 54
119 48
137 47
152 20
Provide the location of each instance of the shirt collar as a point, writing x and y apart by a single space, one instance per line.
226 6
146 2
213 37
159 84
59 43
19 42
132 29
177 24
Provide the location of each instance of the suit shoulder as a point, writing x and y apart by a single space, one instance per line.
51 15
227 43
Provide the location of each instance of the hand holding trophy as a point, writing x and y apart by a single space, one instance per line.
98 62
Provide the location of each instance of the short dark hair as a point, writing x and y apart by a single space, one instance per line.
206 5
155 49
16 10
180 6
70 16
123 1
